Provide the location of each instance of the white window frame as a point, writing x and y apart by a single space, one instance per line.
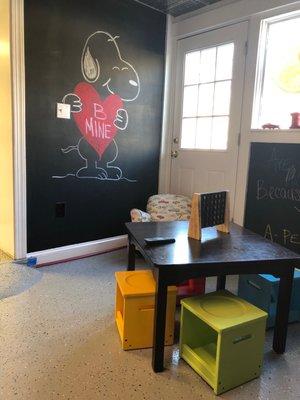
261 62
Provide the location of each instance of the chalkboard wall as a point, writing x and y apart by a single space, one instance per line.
105 59
273 197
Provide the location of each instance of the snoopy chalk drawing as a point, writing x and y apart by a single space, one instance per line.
100 119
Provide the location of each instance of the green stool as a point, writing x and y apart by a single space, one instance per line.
222 339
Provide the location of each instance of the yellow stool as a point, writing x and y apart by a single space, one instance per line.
135 298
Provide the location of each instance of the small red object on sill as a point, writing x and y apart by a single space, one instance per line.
270 126
295 120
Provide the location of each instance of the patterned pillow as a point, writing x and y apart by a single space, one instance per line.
139 216
169 207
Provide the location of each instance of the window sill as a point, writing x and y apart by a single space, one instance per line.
272 131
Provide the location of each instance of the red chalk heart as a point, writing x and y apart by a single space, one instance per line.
96 120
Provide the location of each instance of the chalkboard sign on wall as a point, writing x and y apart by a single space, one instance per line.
105 59
273 196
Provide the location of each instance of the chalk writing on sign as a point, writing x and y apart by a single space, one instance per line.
284 236
285 166
269 192
289 189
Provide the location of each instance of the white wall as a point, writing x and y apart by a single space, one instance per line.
212 17
6 138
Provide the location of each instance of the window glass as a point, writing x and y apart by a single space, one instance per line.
188 134
278 73
192 63
207 97
190 100
222 98
224 61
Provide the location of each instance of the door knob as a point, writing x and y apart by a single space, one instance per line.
176 140
174 154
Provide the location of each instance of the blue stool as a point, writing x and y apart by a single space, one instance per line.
262 291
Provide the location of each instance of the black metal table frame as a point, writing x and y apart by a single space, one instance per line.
179 273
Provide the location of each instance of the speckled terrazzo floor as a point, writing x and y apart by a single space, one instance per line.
15 279
4 258
58 341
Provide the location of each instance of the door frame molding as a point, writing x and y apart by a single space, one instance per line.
170 117
19 127
168 109
172 41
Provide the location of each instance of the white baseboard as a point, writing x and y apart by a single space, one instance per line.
64 253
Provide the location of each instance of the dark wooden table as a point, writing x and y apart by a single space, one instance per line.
219 254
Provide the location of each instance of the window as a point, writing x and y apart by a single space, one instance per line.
277 92
206 98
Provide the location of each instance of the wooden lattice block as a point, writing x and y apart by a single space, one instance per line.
209 209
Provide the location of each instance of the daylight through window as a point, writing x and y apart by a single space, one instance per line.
206 98
278 73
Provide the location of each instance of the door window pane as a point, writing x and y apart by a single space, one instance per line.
207 65
190 100
188 133
222 98
206 98
192 68
219 133
224 62
203 138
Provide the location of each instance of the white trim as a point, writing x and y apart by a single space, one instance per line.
19 129
64 253
290 133
166 138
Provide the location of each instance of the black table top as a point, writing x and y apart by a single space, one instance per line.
241 245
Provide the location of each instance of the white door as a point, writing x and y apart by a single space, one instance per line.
208 104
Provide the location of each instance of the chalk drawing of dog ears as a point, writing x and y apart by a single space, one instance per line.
102 62
99 119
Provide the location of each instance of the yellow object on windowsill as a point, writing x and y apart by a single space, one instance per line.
289 77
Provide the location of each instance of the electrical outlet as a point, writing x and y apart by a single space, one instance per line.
60 210
63 111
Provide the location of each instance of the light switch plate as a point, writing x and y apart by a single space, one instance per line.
63 111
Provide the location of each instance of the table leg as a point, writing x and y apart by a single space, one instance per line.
131 256
159 323
221 282
282 314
